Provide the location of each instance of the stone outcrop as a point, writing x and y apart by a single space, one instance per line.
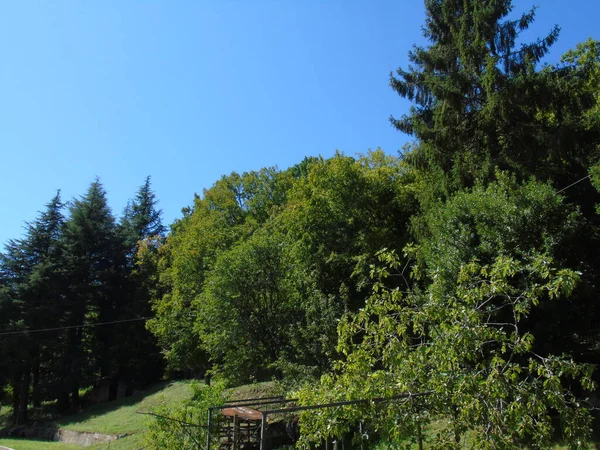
81 438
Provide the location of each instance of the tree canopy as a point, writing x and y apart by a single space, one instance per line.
464 269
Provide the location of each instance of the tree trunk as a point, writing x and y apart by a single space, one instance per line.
75 396
35 395
63 403
16 391
22 417
76 354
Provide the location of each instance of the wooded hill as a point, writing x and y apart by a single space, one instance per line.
467 266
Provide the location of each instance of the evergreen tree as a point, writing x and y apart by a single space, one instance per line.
476 92
31 297
94 263
15 350
143 233
141 219
46 286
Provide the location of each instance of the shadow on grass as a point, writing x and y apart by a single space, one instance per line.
5 420
100 409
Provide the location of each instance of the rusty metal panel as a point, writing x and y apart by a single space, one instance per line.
243 412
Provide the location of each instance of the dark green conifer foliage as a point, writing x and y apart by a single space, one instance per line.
30 300
466 87
15 355
95 259
141 219
46 284
142 232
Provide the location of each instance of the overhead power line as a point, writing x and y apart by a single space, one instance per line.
41 330
573 184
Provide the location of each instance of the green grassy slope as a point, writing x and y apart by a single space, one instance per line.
120 416
117 417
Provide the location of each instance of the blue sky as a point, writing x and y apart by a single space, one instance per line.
185 91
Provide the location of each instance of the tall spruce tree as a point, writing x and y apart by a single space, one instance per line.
46 285
475 91
15 349
142 231
141 219
95 259
31 284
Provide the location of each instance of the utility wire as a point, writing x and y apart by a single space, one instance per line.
573 184
6 333
181 422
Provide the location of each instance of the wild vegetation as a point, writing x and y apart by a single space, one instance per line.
68 276
465 268
121 417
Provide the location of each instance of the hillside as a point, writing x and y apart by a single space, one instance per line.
117 417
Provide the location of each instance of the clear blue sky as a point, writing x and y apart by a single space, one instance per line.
186 91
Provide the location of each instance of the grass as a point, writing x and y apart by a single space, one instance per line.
120 416
24 444
255 390
117 417
134 442
5 416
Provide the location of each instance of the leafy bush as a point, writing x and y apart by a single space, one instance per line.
182 427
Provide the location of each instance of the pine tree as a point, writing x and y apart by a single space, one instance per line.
469 87
46 285
16 360
31 295
141 219
95 259
142 232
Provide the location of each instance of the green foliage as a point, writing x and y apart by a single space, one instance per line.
584 64
503 218
491 313
180 427
246 309
94 265
462 323
481 102
467 351
343 211
30 298
229 212
256 276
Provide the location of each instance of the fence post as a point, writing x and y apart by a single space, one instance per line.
263 432
236 433
208 428
360 430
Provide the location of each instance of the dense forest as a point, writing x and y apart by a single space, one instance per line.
467 266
